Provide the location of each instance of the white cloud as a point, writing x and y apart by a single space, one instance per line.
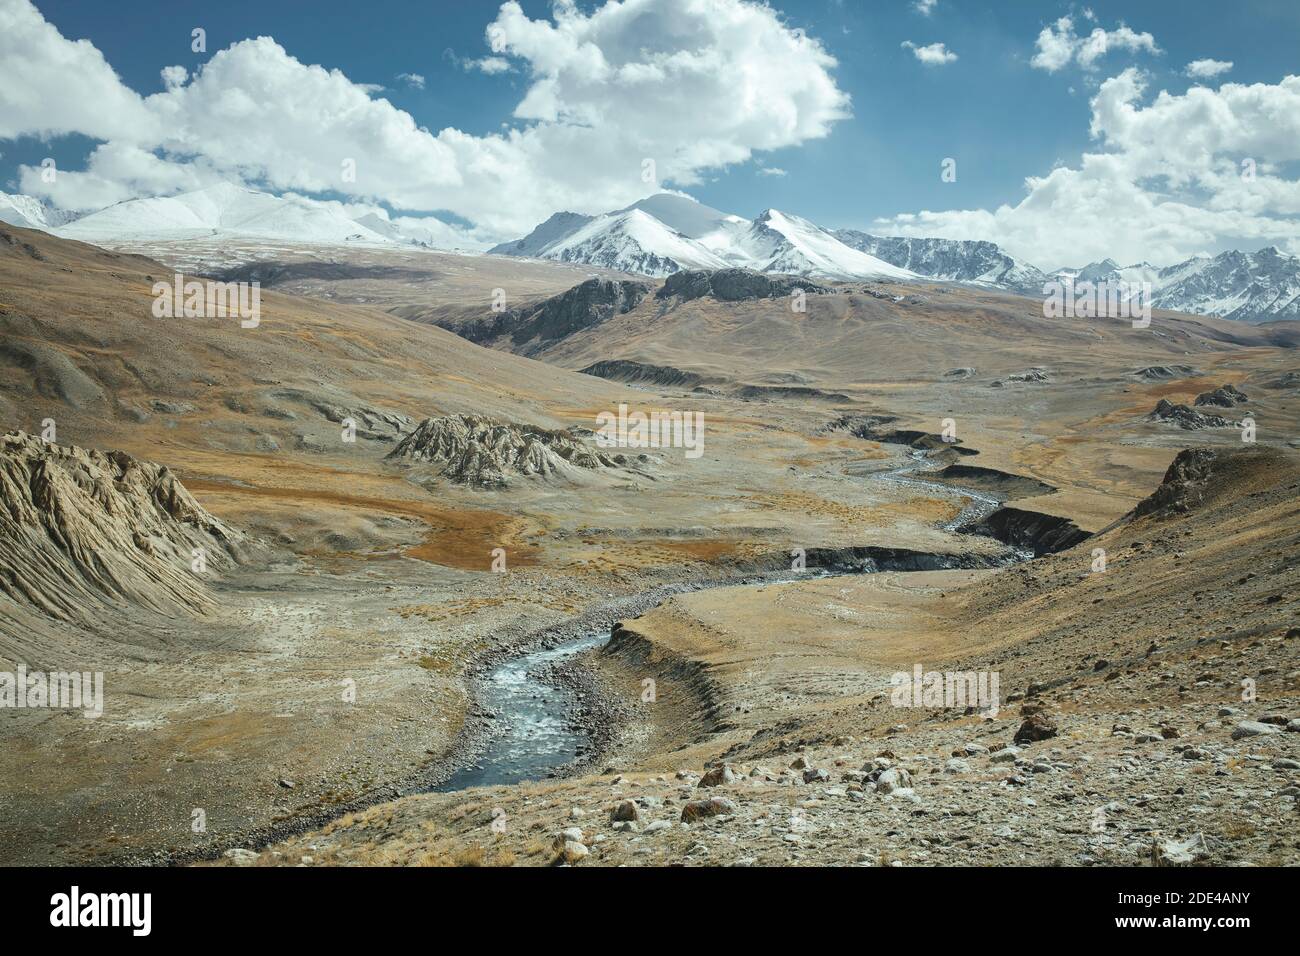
173 76
924 7
414 80
772 171
1057 45
934 54
692 85
490 64
50 85
1207 69
1167 184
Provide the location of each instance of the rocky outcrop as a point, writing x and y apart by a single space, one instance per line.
1184 484
82 529
1033 376
639 373
733 285
486 453
581 307
1185 417
1164 373
881 428
762 392
533 327
1225 396
991 480
1030 530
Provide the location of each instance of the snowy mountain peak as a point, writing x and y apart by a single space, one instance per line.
221 209
29 212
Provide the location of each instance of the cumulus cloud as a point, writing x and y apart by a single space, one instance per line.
1058 45
934 54
50 85
1174 176
924 7
1207 69
414 80
675 87
772 171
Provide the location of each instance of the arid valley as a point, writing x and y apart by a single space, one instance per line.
555 435
313 687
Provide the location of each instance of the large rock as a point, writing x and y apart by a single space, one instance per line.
895 778
1036 727
627 810
712 807
718 776
1254 728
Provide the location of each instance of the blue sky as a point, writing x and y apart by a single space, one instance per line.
1001 118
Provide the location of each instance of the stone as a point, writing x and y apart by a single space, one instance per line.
574 852
815 775
718 776
712 807
895 778
1036 727
624 812
1253 728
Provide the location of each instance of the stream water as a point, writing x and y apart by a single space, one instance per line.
534 736
533 733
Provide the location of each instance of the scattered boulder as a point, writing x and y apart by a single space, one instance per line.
573 852
1036 727
712 807
1254 728
895 778
718 776
626 810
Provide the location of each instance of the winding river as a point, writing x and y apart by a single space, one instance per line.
534 736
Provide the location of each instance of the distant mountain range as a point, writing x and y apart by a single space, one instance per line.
223 210
665 233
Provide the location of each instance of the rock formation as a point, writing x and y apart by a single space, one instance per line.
81 529
485 453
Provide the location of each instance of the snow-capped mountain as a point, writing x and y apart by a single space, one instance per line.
664 234
220 210
956 260
1258 286
1253 287
632 241
32 213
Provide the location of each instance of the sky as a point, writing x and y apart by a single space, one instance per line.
1066 132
